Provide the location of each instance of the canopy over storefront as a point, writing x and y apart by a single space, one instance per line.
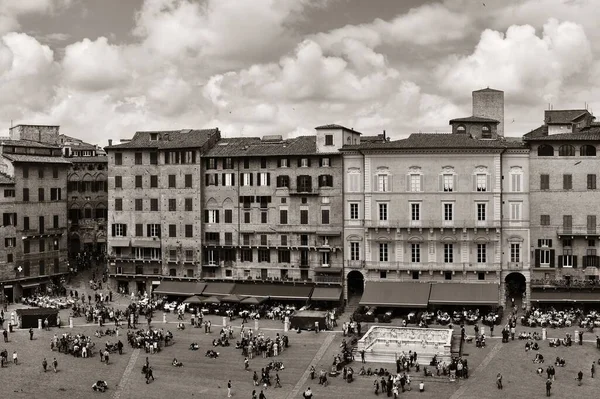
274 291
218 289
326 294
464 294
180 288
396 294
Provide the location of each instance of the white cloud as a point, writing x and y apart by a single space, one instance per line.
10 10
520 62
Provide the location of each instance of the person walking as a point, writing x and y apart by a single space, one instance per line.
548 386
15 358
229 389
55 365
149 374
593 370
579 378
246 364
499 381
5 334
262 395
362 356
277 381
31 334
45 364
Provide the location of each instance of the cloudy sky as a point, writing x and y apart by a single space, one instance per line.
106 68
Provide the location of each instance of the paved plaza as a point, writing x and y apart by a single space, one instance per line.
202 377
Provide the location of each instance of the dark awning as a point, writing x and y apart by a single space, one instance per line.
585 296
217 289
32 284
181 288
396 294
274 291
464 294
326 294
550 296
332 270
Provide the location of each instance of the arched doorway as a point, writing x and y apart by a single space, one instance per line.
356 283
515 285
74 246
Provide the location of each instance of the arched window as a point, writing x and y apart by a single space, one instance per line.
461 129
587 151
566 150
545 150
486 132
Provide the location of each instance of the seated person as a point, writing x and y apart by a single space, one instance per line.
176 363
538 358
100 386
362 371
369 372
561 362
181 326
554 342
539 371
434 361
194 346
527 346
535 346
537 336
215 342
212 354
427 372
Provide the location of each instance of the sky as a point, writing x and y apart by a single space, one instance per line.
104 69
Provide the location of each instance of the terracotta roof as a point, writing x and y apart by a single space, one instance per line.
372 139
336 126
541 131
35 158
185 138
6 179
77 144
438 141
25 143
563 116
254 146
488 90
588 135
474 119
97 158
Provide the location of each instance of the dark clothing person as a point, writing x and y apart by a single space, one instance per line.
548 386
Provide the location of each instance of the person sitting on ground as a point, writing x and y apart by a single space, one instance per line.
362 371
537 336
539 371
212 354
369 371
527 346
539 358
194 346
176 363
535 346
181 326
554 342
100 386
560 362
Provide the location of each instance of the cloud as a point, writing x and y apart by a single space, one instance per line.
11 10
528 66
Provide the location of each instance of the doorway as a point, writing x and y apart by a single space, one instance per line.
516 285
356 283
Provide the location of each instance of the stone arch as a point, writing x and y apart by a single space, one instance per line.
416 238
356 283
73 177
227 203
516 285
87 177
212 203
100 211
545 150
354 237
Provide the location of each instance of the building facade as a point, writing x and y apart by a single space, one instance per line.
272 208
34 232
565 204
87 196
154 226
431 207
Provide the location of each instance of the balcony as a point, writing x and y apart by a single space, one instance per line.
328 279
578 231
432 224
514 266
425 266
355 264
565 283
303 191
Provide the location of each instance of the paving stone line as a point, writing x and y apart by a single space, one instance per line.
125 378
490 356
315 360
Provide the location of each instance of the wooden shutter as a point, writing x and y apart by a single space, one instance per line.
574 262
537 257
552 260
539 243
550 243
475 182
251 179
113 228
560 261
124 230
299 162
422 182
216 216
233 179
206 216
408 178
455 183
268 179
585 261
241 181
279 163
320 162
206 180
308 160
148 232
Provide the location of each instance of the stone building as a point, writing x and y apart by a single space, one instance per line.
155 186
272 208
33 174
87 196
439 207
565 204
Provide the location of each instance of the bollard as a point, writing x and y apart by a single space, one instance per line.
286 325
70 322
39 324
255 325
544 334
164 318
482 330
316 327
224 321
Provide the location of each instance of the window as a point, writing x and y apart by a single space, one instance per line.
139 230
25 222
55 172
246 217
304 216
55 194
544 182
212 216
283 216
354 211
25 195
567 182
263 163
211 163
41 172
153 230
25 172
383 252
154 204
119 230
353 180
383 211
354 251
486 132
304 184
153 158
383 274
591 223
263 179
481 212
189 204
325 181
415 183
591 182
172 258
264 216
448 212
9 193
118 158
566 150
587 151
481 182
10 242
138 158
415 275
567 223
118 204
41 194
55 222
118 181
415 211
545 150
481 276
545 220
304 162
172 230
228 179
567 258
325 162
515 252
383 183
415 253
448 183
172 181
329 139
138 181
448 253
461 129
188 181
139 204
189 230
26 247
481 253
172 204
154 181
284 240
324 216
515 211
246 179
264 255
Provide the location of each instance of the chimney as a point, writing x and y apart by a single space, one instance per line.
384 137
109 142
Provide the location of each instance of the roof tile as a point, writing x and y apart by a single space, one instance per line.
36 159
254 146
186 138
438 141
